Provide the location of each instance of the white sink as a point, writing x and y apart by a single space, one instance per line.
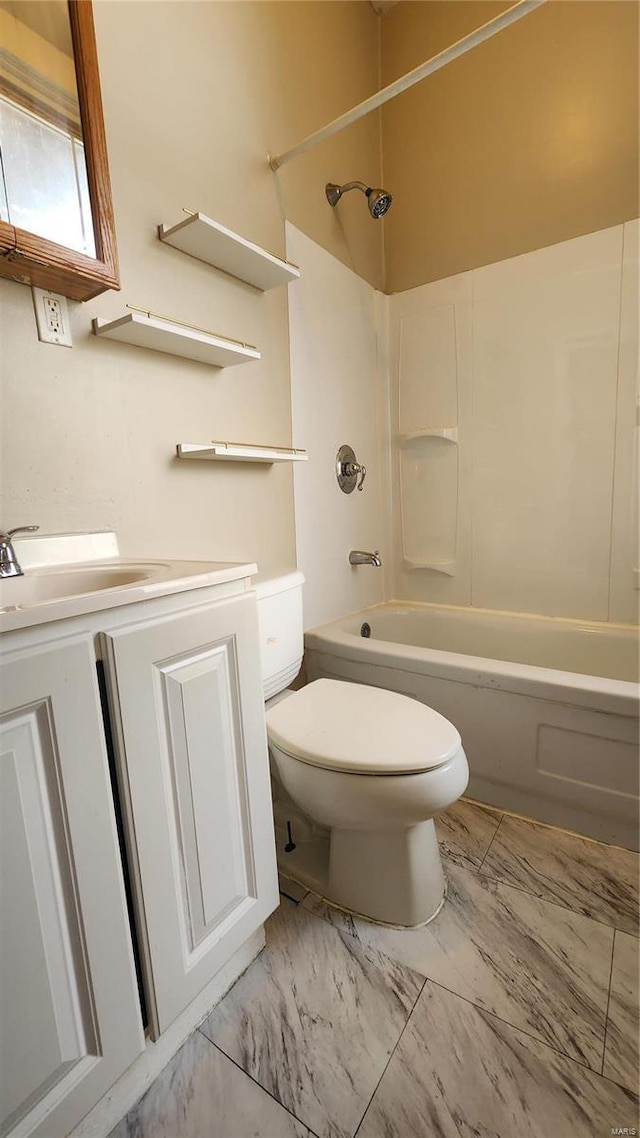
38 586
71 574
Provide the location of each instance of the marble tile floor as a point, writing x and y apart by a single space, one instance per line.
514 1013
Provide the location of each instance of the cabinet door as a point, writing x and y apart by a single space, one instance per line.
188 714
69 1009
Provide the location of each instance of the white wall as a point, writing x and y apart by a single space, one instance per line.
535 360
337 398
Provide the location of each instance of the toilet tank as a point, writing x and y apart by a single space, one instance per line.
281 633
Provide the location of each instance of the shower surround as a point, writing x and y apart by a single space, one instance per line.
533 362
499 432
496 412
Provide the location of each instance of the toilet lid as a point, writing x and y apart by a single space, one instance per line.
360 729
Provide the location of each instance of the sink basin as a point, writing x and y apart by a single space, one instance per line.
38 587
75 574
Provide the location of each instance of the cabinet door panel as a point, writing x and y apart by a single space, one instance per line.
187 700
65 1035
213 823
41 935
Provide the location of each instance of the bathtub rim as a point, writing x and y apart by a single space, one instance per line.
596 693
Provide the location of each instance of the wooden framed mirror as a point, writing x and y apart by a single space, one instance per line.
57 226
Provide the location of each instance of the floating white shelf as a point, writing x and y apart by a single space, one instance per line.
240 452
448 433
146 330
446 567
201 237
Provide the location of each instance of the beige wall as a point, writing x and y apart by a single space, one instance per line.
195 94
528 140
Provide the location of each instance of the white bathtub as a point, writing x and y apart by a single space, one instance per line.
547 708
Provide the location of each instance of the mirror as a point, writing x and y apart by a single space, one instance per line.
56 217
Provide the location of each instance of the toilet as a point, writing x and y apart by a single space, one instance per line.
358 774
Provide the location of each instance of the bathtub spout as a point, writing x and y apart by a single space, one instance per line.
359 557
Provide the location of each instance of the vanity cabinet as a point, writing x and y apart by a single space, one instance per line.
187 708
187 740
69 1010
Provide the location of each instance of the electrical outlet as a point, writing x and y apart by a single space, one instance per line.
52 317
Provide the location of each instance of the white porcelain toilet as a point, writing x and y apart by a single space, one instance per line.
364 770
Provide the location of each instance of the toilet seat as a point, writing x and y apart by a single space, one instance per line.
358 729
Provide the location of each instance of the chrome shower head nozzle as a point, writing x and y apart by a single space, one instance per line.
378 200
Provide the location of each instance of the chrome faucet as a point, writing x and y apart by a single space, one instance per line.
9 565
359 557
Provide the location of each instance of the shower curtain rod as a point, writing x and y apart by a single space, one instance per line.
485 32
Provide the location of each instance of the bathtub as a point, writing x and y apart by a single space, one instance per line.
547 707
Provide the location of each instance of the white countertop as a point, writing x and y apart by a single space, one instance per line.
68 575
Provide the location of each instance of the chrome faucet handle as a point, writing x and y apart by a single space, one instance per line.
9 565
352 470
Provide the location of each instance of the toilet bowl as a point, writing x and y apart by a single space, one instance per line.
359 772
373 767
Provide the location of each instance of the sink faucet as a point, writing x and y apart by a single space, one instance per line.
359 557
9 565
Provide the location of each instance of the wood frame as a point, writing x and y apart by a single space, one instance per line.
36 260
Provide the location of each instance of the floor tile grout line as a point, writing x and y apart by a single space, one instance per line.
606 1018
428 979
522 1031
456 995
547 825
552 901
256 1083
515 1027
386 1066
492 1015
550 826
283 893
490 844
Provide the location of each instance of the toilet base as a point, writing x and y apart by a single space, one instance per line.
307 864
404 882
394 876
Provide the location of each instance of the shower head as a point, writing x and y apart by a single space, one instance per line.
379 200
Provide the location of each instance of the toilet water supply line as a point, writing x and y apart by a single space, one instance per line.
461 47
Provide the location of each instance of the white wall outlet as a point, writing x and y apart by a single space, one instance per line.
52 317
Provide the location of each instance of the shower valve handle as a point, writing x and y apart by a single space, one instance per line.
353 469
347 470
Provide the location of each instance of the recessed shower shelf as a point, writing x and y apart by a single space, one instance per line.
147 330
240 452
201 237
450 434
446 567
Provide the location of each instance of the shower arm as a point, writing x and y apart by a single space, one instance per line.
355 186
